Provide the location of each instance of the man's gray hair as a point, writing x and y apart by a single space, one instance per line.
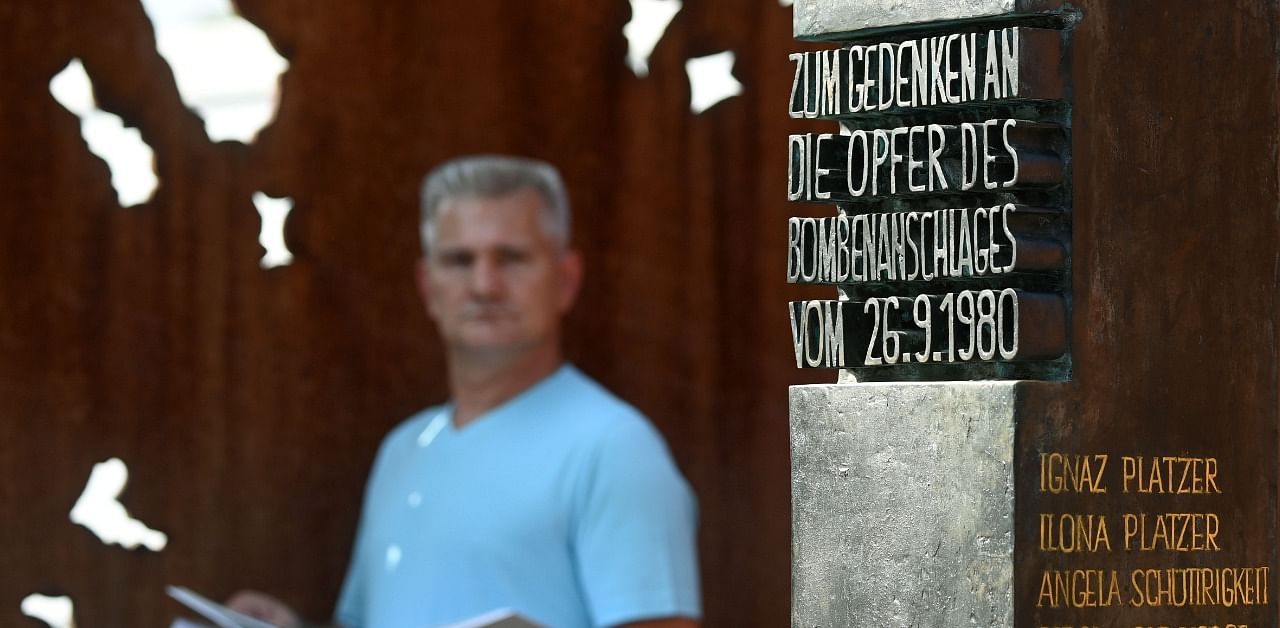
494 176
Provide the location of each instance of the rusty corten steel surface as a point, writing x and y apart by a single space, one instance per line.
248 403
1175 240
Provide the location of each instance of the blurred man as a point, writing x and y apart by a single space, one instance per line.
534 488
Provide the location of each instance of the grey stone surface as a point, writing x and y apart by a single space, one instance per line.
902 504
816 19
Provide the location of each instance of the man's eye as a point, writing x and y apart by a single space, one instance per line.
455 260
512 257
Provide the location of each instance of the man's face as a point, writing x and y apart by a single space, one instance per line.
495 282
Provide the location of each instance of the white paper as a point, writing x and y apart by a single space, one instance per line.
500 618
220 615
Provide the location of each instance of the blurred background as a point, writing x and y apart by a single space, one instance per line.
246 388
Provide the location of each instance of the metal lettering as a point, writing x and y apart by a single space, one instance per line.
987 158
827 250
884 251
856 89
968 67
897 235
974 326
834 328
924 250
914 164
1013 258
811 81
992 86
1010 53
794 259
868 78
812 311
797 167
941 234
797 335
991 237
886 78
914 253
796 109
830 83
818 170
880 138
809 264
858 256
937 85
926 72
1013 178
952 75
1008 326
965 254
895 157
981 254
969 167
883 162
937 144
858 165
843 253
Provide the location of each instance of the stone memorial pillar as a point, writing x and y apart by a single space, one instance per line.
1054 246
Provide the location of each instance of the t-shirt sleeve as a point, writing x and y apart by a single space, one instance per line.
635 530
352 600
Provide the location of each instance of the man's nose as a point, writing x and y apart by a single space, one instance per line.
486 277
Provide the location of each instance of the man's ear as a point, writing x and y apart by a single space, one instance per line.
422 278
570 279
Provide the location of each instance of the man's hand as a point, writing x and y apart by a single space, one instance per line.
262 606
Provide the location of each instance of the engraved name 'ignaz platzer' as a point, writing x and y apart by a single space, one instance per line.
922 262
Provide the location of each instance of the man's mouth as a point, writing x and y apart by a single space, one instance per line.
487 313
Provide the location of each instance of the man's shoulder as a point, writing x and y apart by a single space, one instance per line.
578 391
599 424
584 404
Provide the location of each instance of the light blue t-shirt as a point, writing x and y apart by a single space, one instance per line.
562 504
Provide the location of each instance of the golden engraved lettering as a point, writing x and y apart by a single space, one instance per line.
1153 477
1103 538
1113 590
1171 532
1183 487
1200 586
1083 594
1079 588
1161 532
1072 473
1173 475
1048 593
1211 475
1069 533
1194 626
